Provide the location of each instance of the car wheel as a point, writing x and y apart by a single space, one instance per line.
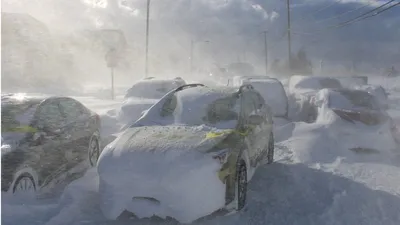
24 184
94 151
241 185
271 148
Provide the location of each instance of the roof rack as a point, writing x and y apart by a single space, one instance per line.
188 86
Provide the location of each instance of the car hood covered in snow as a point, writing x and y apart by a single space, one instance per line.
162 139
171 168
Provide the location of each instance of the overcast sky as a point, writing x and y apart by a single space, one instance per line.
233 27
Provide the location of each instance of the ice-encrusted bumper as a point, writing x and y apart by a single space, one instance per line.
181 192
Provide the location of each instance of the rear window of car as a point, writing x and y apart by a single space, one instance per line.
16 115
329 83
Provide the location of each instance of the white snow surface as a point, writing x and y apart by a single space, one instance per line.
312 182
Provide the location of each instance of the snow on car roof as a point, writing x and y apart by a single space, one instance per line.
153 88
312 82
20 98
204 92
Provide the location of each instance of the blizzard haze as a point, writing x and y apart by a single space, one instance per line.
66 40
322 173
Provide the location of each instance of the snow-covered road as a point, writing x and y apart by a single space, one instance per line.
339 191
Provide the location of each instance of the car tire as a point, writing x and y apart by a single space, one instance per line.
24 183
93 151
241 185
271 149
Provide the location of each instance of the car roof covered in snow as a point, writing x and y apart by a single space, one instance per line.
299 83
201 91
18 98
347 91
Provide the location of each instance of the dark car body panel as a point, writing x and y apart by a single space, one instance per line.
51 152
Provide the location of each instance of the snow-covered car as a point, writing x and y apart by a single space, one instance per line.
351 81
237 81
376 90
273 92
45 141
143 94
300 91
360 123
191 154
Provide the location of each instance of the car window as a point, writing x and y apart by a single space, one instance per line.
50 117
218 112
72 110
329 83
222 110
169 106
15 115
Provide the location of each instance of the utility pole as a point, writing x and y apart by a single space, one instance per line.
147 39
266 52
289 34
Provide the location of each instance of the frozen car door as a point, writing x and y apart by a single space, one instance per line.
50 123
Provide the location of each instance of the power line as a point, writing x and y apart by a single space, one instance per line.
344 13
360 17
353 21
356 19
383 10
319 10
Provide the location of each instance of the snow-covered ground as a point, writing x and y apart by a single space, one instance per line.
331 187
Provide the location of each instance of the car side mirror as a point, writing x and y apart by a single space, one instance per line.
255 119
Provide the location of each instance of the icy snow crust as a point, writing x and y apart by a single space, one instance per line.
164 163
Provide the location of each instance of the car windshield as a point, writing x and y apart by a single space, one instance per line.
215 111
153 89
352 100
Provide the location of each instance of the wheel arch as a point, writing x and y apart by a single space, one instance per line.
23 170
